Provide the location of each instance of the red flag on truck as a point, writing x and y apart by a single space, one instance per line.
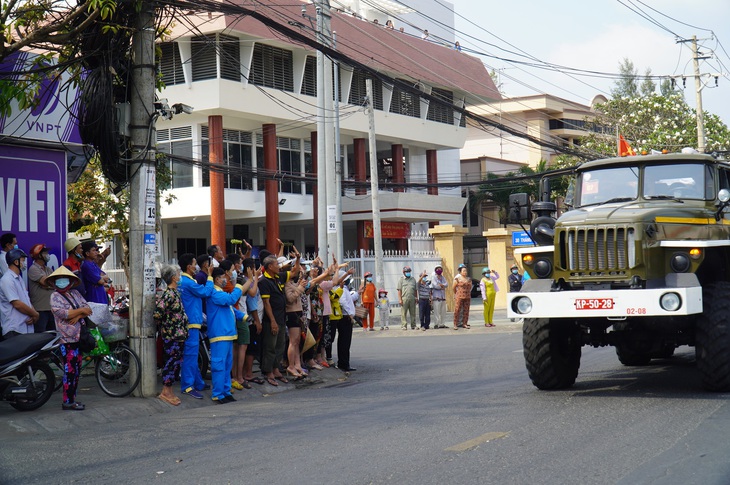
624 149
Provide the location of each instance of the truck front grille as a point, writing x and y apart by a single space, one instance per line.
596 250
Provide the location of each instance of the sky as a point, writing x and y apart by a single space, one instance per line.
595 35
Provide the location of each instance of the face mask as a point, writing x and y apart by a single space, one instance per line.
16 247
439 271
78 255
514 271
224 282
407 274
369 279
23 265
46 258
62 283
197 268
307 285
234 276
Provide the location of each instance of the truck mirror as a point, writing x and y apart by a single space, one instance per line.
518 208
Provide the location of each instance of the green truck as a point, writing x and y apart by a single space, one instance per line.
641 262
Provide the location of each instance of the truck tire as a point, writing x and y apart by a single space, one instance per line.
630 357
712 338
552 352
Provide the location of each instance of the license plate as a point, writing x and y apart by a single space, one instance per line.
594 304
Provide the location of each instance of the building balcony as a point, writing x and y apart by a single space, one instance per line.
404 207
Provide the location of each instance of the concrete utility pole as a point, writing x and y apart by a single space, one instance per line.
143 242
329 161
698 98
377 231
321 143
701 140
338 154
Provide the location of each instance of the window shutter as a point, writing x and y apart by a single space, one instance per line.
204 58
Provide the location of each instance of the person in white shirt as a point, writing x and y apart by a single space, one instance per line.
344 325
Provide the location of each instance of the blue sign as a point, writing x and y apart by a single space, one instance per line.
521 238
150 238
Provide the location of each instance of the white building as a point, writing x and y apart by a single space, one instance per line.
251 75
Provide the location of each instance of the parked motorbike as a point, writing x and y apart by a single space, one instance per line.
26 379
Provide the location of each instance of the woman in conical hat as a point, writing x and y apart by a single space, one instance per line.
69 309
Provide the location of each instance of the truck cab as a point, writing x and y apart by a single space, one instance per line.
639 263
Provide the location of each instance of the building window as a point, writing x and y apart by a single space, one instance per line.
230 51
178 141
271 67
288 161
405 102
204 57
193 246
309 84
358 91
237 156
441 112
169 64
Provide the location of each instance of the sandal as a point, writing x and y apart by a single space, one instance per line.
173 401
271 381
257 380
467 326
74 406
281 379
246 385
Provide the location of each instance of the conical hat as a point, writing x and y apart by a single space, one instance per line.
64 272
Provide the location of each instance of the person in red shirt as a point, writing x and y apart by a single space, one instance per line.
367 297
74 260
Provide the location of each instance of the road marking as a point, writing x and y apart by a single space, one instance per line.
474 442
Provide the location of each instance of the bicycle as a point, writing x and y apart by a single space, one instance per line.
117 371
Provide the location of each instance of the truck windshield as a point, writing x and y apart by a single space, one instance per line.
681 181
618 184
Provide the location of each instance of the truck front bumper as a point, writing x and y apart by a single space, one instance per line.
667 301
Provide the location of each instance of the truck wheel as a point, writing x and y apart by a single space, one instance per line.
552 352
712 338
629 357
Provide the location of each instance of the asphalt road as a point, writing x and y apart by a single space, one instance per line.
422 408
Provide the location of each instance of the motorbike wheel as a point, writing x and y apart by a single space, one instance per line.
44 384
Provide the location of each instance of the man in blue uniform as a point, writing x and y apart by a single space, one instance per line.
192 295
222 316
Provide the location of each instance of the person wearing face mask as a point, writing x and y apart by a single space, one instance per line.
39 289
8 241
95 280
74 260
222 333
367 297
69 309
407 291
489 289
514 279
438 296
18 314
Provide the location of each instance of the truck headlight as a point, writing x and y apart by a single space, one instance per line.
679 262
522 305
670 302
543 268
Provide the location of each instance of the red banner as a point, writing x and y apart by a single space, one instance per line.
390 230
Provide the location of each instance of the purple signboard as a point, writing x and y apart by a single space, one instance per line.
53 117
33 198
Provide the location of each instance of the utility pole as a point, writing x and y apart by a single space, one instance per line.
329 126
377 231
701 141
143 242
321 142
698 98
338 154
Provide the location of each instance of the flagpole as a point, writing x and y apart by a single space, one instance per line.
618 142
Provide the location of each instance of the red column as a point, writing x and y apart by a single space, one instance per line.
432 175
271 188
398 174
315 192
360 164
362 241
217 199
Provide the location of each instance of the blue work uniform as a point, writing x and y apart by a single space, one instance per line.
222 316
192 295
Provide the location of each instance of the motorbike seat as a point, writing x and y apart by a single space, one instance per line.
21 345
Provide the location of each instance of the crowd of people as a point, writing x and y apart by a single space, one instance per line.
284 314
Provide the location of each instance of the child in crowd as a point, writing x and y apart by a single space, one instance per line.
384 307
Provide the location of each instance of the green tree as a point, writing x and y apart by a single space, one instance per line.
653 122
98 208
648 86
627 85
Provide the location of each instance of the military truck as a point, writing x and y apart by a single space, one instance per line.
640 262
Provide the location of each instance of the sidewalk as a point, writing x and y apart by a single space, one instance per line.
102 409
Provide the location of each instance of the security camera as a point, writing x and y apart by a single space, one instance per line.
304 10
182 108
